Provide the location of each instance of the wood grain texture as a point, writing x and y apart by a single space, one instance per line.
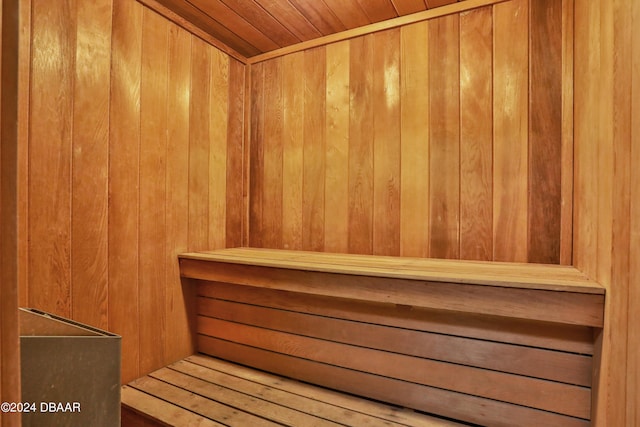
414 136
124 146
444 137
305 336
435 174
10 383
118 148
52 59
386 143
336 232
545 141
89 209
476 135
605 238
510 131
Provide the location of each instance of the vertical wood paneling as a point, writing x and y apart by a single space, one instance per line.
235 153
53 59
545 136
124 146
218 130
272 151
9 211
313 202
89 226
386 147
510 131
361 137
414 136
153 165
567 177
444 137
256 162
178 339
435 158
292 155
123 106
476 135
606 232
336 237
199 144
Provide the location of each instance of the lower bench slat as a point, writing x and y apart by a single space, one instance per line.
203 391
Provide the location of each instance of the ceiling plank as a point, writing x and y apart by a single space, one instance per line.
320 15
349 12
201 25
295 21
437 3
378 10
237 24
263 21
406 7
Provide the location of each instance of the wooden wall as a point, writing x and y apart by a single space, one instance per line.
9 333
134 154
607 191
443 139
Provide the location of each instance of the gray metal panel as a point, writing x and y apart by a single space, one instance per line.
72 380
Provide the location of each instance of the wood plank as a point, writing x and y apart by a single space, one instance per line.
196 404
313 202
378 10
124 144
361 146
161 411
510 131
532 362
545 133
546 395
240 394
295 21
336 215
10 210
386 145
414 181
476 134
567 169
534 276
550 306
90 147
272 146
235 151
178 338
53 58
153 160
263 21
317 400
567 338
319 15
218 129
256 160
293 150
218 11
363 29
431 400
199 156
405 7
350 14
444 137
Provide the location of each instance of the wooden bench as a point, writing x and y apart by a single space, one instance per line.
485 343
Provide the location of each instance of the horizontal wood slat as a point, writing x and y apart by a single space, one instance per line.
566 338
200 390
522 351
429 399
516 299
533 362
547 395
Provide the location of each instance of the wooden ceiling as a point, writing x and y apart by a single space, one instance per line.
253 27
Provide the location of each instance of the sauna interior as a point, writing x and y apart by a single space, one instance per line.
478 134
